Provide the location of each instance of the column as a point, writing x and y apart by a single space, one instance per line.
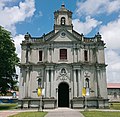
74 84
52 84
73 56
52 53
57 96
26 85
77 54
47 84
98 82
21 86
44 89
29 84
105 84
82 79
49 56
80 84
50 50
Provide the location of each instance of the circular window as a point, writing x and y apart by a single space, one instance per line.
63 34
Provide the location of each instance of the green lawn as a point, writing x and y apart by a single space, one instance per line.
115 106
100 114
30 114
7 106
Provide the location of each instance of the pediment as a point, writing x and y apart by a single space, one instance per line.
63 35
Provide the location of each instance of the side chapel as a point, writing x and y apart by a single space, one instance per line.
63 62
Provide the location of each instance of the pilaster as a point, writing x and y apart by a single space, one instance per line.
74 84
52 84
80 84
47 84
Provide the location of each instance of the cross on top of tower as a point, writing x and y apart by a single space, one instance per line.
63 5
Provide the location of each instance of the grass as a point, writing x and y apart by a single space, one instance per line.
7 106
30 114
115 106
100 114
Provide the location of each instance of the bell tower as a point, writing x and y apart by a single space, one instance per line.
63 19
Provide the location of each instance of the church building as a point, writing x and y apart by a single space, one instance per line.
69 67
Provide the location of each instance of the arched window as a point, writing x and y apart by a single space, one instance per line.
87 83
63 21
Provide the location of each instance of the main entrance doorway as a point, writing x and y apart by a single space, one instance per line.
63 95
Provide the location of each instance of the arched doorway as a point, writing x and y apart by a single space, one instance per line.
63 95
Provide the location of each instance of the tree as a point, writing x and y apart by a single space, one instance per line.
8 61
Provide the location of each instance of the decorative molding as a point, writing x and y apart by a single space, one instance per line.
40 73
63 75
87 74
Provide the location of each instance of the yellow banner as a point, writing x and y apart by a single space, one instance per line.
83 91
39 92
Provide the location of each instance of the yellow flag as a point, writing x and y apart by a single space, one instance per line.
83 91
39 92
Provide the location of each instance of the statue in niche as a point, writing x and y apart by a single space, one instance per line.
40 72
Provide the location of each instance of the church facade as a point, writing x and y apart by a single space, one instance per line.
63 63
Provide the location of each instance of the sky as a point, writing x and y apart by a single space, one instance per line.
89 17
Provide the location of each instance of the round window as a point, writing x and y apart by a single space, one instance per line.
63 34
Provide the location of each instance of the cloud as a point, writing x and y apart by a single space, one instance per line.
93 7
39 14
111 34
17 41
87 26
10 16
113 69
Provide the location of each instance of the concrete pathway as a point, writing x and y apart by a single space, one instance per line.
64 112
60 112
6 113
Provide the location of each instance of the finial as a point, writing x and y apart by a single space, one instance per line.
27 36
98 36
63 5
98 33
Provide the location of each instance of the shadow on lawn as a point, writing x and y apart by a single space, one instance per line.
8 106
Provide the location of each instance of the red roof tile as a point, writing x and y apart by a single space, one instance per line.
113 85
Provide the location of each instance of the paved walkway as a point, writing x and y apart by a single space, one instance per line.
6 113
60 112
64 112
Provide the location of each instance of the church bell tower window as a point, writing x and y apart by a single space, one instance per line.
63 21
40 55
63 54
86 55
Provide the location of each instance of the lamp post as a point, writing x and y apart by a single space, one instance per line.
39 93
